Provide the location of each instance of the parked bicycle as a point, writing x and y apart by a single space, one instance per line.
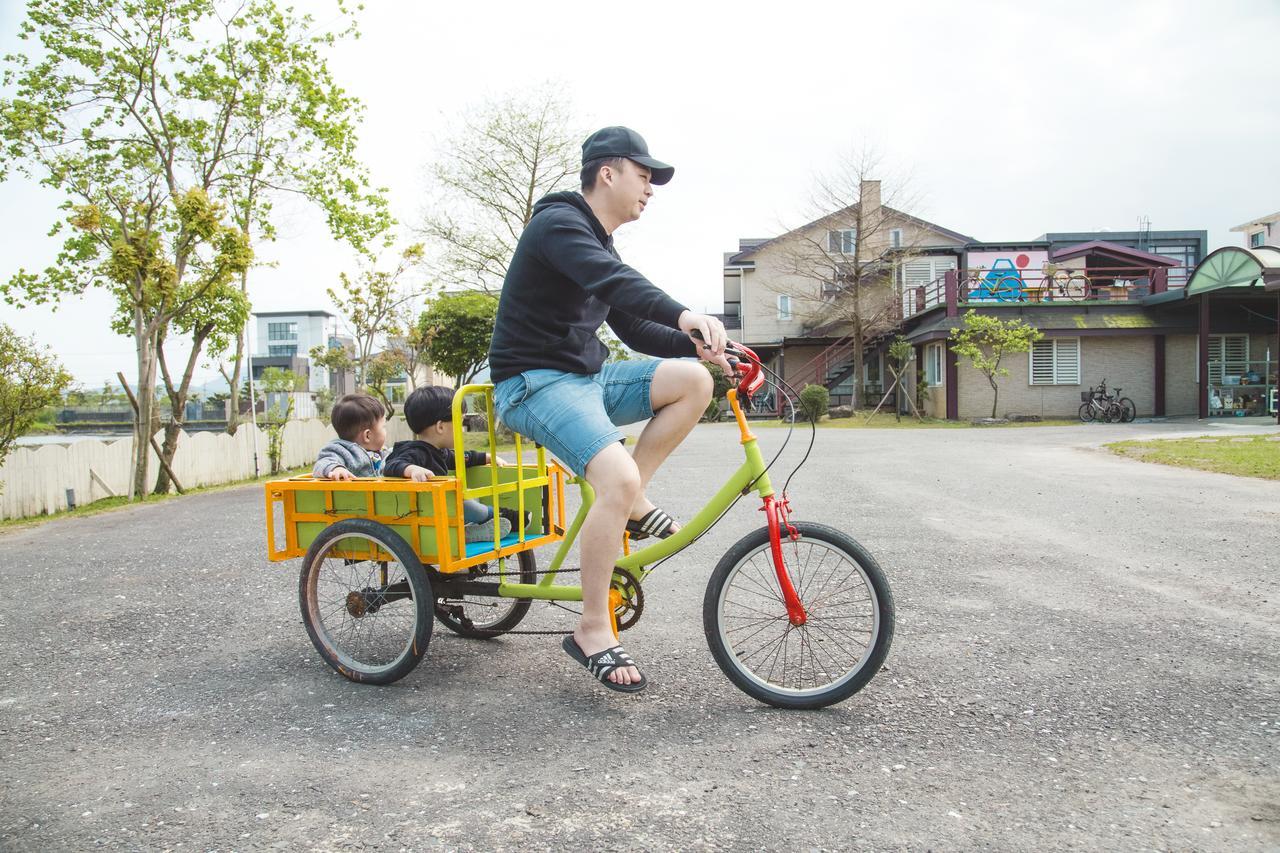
1097 405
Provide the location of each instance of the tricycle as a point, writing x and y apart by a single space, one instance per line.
796 614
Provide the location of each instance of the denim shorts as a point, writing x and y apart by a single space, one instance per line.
576 415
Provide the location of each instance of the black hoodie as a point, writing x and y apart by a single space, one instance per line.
565 279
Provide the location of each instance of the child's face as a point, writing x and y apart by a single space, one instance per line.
374 437
439 434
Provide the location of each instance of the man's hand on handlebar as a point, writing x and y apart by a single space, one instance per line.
709 336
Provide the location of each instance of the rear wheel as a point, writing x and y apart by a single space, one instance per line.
834 654
1128 410
482 617
366 601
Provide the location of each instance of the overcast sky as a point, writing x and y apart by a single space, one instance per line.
1014 118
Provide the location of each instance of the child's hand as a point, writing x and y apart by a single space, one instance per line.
502 463
417 473
340 473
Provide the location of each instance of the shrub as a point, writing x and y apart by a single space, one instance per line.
814 400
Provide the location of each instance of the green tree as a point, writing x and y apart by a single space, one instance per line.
30 380
148 117
618 351
985 340
508 154
382 368
456 328
298 138
372 302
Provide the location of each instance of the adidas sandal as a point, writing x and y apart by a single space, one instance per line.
601 664
655 522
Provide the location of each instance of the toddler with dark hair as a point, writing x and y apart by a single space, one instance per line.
429 413
361 423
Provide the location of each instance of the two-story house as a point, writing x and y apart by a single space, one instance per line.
813 300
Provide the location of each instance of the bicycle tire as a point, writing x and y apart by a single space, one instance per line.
1086 413
501 621
1130 410
357 612
726 630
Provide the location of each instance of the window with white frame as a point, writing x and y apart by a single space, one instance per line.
1257 238
784 307
1228 356
895 238
933 364
1055 361
844 241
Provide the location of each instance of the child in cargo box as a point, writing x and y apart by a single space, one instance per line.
429 413
361 423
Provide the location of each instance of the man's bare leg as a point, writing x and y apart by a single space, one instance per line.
613 476
680 393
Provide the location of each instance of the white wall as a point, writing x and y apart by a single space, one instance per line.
34 480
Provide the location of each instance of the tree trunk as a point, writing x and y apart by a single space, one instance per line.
144 427
233 402
177 404
995 396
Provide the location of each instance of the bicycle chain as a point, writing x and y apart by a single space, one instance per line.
637 601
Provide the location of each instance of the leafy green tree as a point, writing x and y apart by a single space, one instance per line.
985 340
371 304
382 368
508 154
278 380
149 119
31 379
618 351
456 328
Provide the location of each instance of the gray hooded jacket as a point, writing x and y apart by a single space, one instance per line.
349 455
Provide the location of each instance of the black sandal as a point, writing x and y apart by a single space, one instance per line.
655 522
601 664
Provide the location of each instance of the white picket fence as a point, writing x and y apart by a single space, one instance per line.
35 480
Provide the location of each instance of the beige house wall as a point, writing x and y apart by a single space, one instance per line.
774 274
1125 361
1180 375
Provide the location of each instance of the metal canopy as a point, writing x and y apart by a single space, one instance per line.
1235 266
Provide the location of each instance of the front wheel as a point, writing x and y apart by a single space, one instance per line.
834 654
1085 412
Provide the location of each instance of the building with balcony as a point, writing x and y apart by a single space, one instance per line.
285 338
1181 330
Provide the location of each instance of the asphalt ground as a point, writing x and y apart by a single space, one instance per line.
1086 657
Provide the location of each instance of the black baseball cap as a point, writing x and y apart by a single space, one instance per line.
625 142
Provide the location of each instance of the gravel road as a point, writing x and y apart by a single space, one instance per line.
1087 657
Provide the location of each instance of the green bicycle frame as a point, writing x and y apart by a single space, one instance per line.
750 476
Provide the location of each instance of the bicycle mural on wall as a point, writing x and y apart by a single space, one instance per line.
1023 277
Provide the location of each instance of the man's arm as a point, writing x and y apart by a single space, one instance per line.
648 337
570 247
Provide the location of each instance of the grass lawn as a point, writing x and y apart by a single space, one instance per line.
1246 456
887 421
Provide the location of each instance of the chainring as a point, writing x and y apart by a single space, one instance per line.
628 612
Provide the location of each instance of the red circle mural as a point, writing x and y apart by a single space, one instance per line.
1021 261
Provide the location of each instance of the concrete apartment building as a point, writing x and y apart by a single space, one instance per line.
1181 330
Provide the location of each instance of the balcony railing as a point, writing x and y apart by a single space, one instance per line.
1052 287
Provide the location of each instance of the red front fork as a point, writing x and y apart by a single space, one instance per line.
776 513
